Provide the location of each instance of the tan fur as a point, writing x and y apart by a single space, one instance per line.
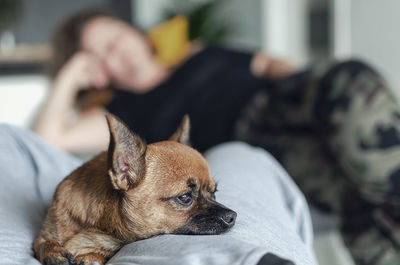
98 208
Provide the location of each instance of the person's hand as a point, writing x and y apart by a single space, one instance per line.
82 71
265 66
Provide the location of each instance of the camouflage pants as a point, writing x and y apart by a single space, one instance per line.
337 132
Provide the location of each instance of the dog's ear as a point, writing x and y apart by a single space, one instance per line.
182 133
126 155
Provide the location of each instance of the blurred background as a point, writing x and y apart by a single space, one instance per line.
303 32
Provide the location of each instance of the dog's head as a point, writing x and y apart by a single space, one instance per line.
166 186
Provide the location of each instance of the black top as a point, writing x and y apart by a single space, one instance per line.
212 87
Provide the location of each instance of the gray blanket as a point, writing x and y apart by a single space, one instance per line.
272 217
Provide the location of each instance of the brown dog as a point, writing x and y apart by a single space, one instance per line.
131 192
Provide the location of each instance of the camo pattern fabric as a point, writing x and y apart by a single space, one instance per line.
336 130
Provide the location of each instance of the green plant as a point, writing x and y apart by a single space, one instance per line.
202 25
10 10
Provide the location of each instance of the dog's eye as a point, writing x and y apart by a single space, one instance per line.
213 193
185 199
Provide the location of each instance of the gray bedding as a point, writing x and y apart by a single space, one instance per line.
273 217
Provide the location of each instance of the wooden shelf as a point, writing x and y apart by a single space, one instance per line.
25 59
23 53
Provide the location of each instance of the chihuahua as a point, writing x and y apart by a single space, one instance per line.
131 192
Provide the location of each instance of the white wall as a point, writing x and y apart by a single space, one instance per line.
147 13
245 19
376 36
341 29
369 30
21 97
284 29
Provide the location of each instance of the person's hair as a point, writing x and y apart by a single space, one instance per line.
66 40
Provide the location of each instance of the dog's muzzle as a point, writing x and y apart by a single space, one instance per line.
213 220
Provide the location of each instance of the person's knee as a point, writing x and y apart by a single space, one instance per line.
14 139
12 149
7 127
237 147
356 63
8 133
240 152
353 67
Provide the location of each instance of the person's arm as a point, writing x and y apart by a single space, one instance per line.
86 132
265 66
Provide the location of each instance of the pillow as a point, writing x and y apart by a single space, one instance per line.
170 41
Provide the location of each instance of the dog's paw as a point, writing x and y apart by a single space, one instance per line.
90 259
55 261
59 259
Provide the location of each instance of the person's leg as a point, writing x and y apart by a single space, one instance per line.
30 171
363 118
25 158
280 120
337 136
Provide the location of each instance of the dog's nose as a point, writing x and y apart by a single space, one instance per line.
229 218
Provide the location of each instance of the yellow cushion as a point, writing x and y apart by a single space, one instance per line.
171 40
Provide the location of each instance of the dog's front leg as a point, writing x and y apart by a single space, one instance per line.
89 247
50 252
